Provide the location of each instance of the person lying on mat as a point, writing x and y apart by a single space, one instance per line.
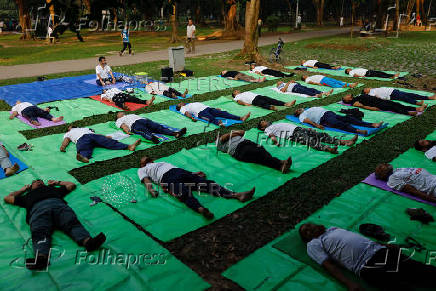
295 87
427 146
360 72
32 112
375 104
158 88
6 163
245 150
305 136
46 210
119 98
199 110
382 266
316 64
104 73
249 98
86 140
326 81
320 117
387 93
145 127
180 183
235 75
414 181
263 70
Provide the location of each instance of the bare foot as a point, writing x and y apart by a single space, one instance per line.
354 85
377 125
350 142
272 107
180 133
421 108
133 146
289 104
58 119
395 76
419 103
206 213
245 196
432 97
364 132
286 165
81 158
36 123
329 92
337 67
332 150
412 113
246 116
149 102
319 95
13 170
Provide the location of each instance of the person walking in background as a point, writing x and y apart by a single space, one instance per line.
190 37
125 35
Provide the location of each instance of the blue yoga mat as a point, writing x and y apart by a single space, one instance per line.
226 122
14 160
370 130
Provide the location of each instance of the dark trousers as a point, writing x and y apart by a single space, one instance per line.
48 215
104 81
121 98
378 74
147 128
33 112
266 102
180 184
86 144
323 65
211 114
406 96
125 45
332 119
388 269
250 152
276 73
387 105
169 93
298 88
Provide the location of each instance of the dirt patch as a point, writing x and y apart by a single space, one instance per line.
344 47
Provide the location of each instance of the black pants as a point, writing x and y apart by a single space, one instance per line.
378 74
388 269
323 66
250 152
345 123
388 105
121 98
125 45
33 112
169 93
266 102
276 73
180 184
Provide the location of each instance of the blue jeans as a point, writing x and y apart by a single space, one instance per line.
86 144
406 96
334 120
210 114
33 112
330 82
147 128
300 89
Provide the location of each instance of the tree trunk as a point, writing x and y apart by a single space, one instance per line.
353 15
397 15
250 50
379 20
24 17
230 21
319 6
88 6
410 5
173 20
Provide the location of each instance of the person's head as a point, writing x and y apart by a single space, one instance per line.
366 90
70 127
223 73
252 66
347 71
279 83
190 22
383 171
347 99
145 160
180 105
235 92
18 102
303 61
36 184
298 112
304 77
102 61
263 124
424 145
310 231
120 114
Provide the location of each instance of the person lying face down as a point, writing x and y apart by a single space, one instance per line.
415 181
375 104
382 266
322 80
387 93
294 87
360 72
235 75
249 98
316 64
263 70
180 183
32 112
119 98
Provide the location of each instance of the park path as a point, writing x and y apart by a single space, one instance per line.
203 48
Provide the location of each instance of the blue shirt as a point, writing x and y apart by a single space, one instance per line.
125 34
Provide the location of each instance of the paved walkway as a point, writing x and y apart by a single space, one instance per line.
33 70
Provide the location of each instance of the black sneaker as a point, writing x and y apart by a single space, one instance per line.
94 243
420 215
38 263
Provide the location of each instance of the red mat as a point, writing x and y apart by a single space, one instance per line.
132 106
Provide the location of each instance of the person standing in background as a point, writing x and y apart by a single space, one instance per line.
190 37
125 35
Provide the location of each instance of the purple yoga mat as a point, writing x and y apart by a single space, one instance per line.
372 180
44 122
345 104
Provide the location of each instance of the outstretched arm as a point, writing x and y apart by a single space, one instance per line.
70 186
64 144
338 275
243 103
415 192
13 114
125 128
285 89
274 139
10 199
149 186
308 121
227 136
187 114
360 105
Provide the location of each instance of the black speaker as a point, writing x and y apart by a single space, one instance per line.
167 74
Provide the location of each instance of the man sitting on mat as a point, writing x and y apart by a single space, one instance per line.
316 64
32 112
46 210
249 98
360 72
6 163
245 150
294 87
235 75
375 104
119 98
387 93
181 183
158 88
417 182
199 110
383 266
86 140
427 146
301 135
320 117
262 70
104 73
326 81
145 127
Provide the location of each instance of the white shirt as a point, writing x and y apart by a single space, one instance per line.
419 178
103 72
382 92
290 87
310 63
156 87
21 106
314 79
75 133
246 97
190 31
358 71
259 69
431 153
281 130
128 120
193 108
110 93
314 114
154 171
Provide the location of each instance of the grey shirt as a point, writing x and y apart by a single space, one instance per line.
230 145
